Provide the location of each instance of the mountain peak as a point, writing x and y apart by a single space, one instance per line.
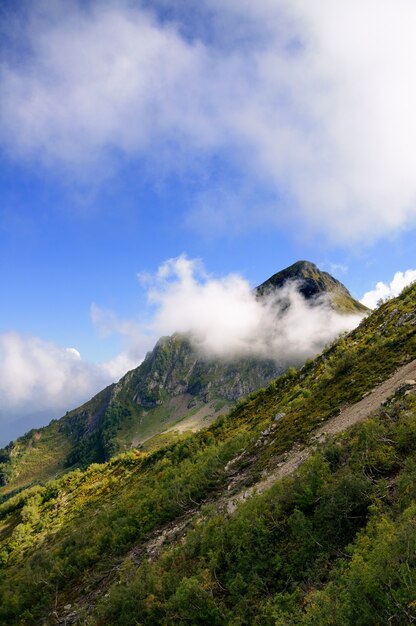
313 282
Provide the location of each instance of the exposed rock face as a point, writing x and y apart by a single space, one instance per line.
172 382
174 367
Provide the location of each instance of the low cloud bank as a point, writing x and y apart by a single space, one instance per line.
41 378
383 291
226 319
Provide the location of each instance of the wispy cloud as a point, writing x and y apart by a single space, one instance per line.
39 376
314 101
338 268
385 291
137 337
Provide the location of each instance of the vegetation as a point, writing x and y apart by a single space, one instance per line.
342 529
293 555
336 544
39 453
54 535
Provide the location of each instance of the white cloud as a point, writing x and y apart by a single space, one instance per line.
314 100
385 291
100 78
74 352
39 376
122 363
225 319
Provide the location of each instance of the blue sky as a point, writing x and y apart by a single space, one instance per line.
245 136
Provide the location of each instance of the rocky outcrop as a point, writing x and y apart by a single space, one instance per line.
174 368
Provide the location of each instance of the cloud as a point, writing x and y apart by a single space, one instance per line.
222 316
74 352
98 80
313 101
37 376
383 291
138 338
225 319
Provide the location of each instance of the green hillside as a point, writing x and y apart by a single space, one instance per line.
331 544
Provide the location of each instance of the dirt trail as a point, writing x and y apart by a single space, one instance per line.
292 459
349 416
370 403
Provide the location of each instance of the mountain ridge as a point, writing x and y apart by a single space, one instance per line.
173 385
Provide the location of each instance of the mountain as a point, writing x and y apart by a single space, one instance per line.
174 390
298 507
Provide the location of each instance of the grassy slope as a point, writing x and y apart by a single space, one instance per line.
39 455
334 544
146 424
64 541
43 453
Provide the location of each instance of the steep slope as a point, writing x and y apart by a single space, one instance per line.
77 550
46 452
174 390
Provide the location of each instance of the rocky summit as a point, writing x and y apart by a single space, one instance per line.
313 283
